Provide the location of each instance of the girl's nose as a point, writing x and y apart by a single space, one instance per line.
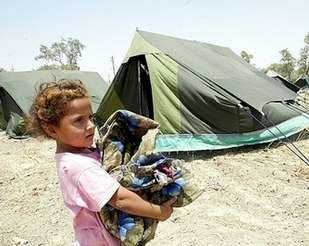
90 124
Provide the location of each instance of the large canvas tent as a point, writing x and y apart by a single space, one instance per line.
204 96
17 90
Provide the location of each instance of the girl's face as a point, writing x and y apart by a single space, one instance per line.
76 128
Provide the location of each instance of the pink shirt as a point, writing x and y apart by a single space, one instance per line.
86 188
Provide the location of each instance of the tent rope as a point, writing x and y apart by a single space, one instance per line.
300 155
298 150
297 109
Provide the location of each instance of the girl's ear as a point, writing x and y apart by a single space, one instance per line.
51 131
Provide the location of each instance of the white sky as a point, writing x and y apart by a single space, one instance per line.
262 28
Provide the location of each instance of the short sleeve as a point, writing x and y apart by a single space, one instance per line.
96 187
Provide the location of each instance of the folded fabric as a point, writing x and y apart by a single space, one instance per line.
127 146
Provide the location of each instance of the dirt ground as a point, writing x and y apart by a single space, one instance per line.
253 196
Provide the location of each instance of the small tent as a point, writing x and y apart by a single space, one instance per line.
204 96
302 82
17 90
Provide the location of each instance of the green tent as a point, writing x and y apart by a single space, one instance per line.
204 96
302 82
17 90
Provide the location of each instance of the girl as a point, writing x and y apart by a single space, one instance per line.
62 111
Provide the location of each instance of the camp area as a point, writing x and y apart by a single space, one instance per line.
236 139
207 98
253 195
205 103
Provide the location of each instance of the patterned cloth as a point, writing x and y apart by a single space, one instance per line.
128 154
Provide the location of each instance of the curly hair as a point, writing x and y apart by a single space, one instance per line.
49 105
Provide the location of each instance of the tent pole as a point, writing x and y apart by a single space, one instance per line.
298 153
139 86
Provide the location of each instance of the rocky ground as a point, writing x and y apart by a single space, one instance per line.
253 196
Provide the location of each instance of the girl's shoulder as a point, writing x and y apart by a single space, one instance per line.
91 153
77 162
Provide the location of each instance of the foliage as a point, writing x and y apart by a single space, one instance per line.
246 56
286 67
2 69
303 62
263 70
49 67
277 67
63 54
292 68
288 63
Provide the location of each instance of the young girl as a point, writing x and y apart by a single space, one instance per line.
62 111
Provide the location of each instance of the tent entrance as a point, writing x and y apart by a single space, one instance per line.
131 89
144 88
7 107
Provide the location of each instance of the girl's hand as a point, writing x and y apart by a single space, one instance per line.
167 209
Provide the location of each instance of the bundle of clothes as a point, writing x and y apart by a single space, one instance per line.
127 145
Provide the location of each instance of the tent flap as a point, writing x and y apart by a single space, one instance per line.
190 142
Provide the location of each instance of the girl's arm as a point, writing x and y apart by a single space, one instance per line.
131 203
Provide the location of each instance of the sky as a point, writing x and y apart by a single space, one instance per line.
261 28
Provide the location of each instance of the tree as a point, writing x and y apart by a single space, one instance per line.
286 66
49 67
288 63
2 69
64 53
303 62
277 67
246 56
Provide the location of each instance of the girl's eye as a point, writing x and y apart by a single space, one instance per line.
91 117
78 119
